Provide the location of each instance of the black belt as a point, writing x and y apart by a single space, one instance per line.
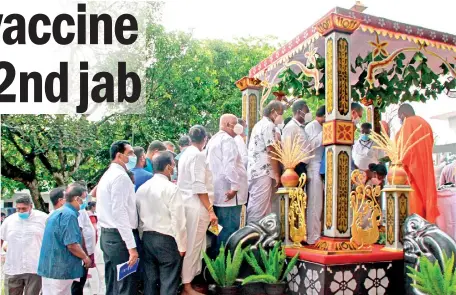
115 230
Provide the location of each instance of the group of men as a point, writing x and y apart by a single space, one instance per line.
156 206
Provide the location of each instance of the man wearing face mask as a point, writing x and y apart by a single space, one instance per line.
62 256
163 224
241 139
314 132
357 112
229 178
364 152
118 219
296 127
418 163
263 172
141 175
88 237
23 231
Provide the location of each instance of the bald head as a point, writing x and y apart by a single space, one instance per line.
227 123
405 111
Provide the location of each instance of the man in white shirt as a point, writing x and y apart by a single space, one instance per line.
241 139
199 212
163 224
364 152
118 219
229 178
263 172
23 231
314 131
296 127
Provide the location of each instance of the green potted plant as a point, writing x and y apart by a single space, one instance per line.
273 273
431 279
224 269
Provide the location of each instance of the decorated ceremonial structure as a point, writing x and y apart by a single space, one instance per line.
350 56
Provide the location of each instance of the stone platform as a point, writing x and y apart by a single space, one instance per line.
378 272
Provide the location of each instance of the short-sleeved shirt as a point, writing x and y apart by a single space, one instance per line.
141 176
262 136
56 261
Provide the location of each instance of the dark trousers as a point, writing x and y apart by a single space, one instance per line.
77 288
162 264
115 252
230 219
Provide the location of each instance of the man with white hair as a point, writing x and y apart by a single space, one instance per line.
229 178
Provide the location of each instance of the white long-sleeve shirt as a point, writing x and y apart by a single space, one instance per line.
161 209
314 131
88 231
242 148
24 238
227 169
116 203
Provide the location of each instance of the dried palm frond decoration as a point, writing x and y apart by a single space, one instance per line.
290 153
395 150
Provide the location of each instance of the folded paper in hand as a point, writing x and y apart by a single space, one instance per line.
215 229
123 270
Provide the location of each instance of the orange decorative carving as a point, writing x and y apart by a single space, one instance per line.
338 132
337 22
247 82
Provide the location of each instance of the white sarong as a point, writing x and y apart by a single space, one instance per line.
56 287
314 204
259 204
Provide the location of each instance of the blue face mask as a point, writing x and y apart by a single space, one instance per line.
23 215
365 137
131 162
83 205
246 131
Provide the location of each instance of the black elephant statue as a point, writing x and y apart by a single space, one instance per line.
422 238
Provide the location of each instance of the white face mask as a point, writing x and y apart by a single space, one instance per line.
131 162
278 120
238 129
357 121
308 117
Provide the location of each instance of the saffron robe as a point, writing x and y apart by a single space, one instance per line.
419 166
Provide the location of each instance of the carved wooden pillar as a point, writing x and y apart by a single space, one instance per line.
373 115
338 131
250 88
397 210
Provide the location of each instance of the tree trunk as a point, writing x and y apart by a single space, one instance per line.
36 196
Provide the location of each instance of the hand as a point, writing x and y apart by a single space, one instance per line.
230 194
277 180
213 218
87 262
182 254
133 256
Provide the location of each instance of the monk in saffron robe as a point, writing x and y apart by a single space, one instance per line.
418 164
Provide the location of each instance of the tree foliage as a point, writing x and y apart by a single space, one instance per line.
188 82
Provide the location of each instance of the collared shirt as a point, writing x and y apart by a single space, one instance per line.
364 154
262 137
149 167
88 231
293 129
242 148
227 169
141 176
24 237
56 261
314 131
194 176
116 203
161 209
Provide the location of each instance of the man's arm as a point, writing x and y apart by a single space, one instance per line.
229 154
71 235
178 220
121 190
198 175
269 139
